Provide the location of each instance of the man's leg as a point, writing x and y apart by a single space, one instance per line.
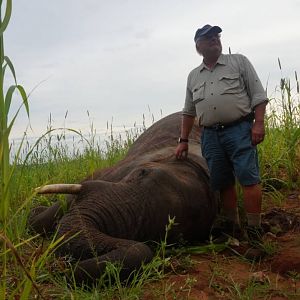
229 204
228 222
222 179
252 202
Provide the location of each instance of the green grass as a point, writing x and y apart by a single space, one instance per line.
279 153
53 160
50 162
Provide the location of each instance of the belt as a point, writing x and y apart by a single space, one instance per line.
220 126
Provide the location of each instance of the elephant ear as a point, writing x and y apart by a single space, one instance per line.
59 189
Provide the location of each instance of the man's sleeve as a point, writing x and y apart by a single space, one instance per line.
189 107
252 82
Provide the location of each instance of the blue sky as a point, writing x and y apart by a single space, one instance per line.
117 59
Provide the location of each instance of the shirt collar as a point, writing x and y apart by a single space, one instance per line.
221 61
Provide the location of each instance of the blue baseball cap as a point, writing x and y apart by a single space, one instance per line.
206 29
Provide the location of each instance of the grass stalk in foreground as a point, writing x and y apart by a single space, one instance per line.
6 125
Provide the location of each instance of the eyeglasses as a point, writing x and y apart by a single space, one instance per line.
209 37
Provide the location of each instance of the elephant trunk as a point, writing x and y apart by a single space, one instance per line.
129 257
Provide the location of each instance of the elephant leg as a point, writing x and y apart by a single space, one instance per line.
130 257
43 219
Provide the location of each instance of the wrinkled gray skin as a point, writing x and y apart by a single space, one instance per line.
122 207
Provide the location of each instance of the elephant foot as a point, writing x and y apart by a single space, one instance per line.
34 221
129 258
35 212
43 219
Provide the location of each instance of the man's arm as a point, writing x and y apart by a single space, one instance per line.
258 129
187 123
254 87
258 98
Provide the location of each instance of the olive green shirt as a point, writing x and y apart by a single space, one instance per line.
227 92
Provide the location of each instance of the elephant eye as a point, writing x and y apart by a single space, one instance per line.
144 172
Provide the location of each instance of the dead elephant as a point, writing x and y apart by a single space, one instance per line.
114 213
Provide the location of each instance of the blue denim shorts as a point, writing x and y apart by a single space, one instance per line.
230 154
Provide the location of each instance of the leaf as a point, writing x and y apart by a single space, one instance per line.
24 97
8 98
6 16
11 66
295 138
26 290
6 132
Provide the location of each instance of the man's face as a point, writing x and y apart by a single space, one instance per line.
210 45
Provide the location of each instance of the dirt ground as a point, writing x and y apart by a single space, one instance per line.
229 275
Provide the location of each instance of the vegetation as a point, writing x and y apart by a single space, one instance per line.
7 169
28 267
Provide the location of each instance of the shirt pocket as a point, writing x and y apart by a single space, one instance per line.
230 83
198 93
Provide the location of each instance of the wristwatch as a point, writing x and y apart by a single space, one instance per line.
181 140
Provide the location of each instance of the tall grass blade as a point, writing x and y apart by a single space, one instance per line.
279 63
7 16
6 171
297 82
11 67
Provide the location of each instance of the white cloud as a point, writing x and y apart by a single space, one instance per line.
116 58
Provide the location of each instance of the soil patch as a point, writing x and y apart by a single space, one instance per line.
229 275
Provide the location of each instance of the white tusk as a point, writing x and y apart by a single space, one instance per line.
59 189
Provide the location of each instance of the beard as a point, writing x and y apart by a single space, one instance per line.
211 51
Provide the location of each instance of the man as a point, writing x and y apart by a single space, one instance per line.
226 95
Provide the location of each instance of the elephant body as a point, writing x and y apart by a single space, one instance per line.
121 208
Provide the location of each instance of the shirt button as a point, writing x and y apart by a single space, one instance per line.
212 94
212 82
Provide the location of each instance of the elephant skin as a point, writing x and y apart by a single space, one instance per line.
121 208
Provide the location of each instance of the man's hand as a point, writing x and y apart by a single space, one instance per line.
187 123
258 132
182 150
258 129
